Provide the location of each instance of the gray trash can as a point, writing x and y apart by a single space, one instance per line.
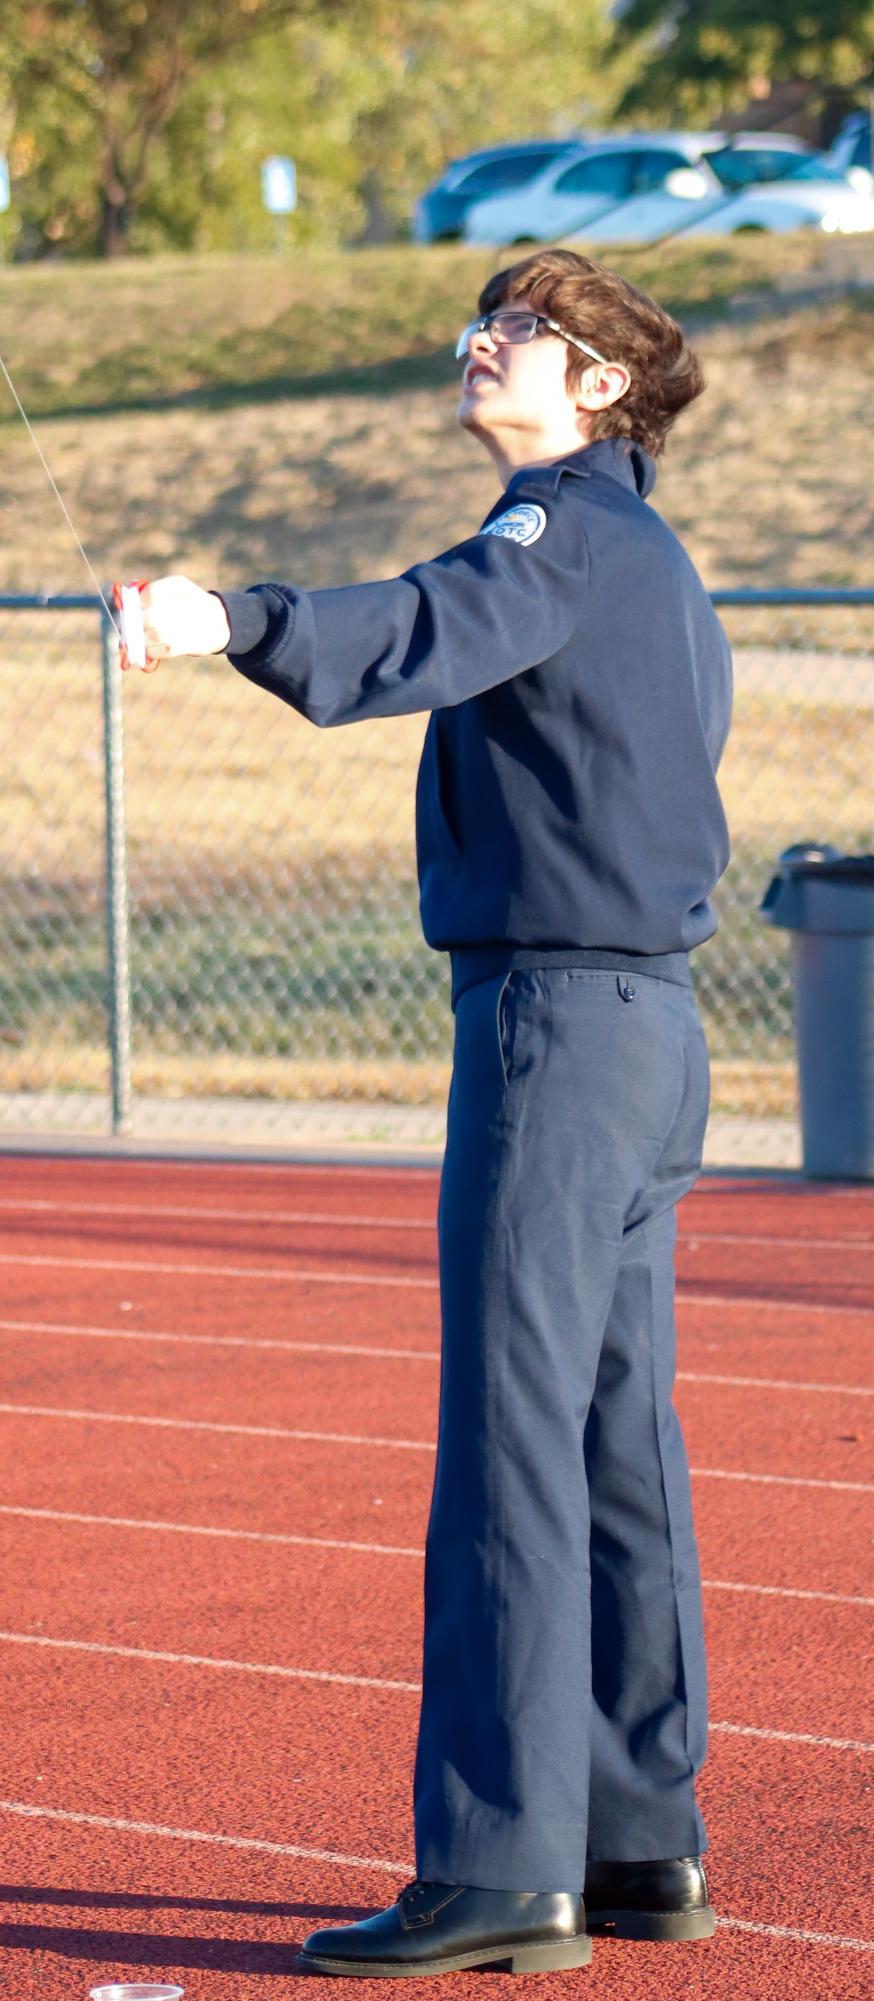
826 900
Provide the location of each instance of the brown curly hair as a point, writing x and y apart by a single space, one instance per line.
624 324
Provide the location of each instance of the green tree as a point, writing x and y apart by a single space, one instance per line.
108 74
703 56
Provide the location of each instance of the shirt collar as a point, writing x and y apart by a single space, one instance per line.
619 458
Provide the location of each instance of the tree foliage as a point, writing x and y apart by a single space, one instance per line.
707 55
142 123
113 70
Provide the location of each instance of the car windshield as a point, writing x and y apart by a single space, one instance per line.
512 171
743 168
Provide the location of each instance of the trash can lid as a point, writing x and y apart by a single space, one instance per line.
809 851
842 868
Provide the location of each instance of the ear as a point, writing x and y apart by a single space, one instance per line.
601 385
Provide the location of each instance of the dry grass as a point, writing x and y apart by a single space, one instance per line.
234 329
739 1089
766 479
219 778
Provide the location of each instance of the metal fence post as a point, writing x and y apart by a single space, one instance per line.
117 916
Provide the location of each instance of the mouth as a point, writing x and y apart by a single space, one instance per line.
479 372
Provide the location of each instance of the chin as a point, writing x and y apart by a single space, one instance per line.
470 419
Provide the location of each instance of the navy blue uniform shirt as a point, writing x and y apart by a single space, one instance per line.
580 688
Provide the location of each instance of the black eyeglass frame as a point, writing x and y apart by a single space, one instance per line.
462 346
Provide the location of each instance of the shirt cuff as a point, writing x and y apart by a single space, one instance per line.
247 617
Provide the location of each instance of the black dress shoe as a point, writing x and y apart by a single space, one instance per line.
649 1899
441 1927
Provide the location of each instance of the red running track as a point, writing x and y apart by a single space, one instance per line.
218 1399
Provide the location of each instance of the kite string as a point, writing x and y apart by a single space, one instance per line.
56 490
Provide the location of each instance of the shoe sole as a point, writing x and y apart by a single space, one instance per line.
546 1957
652 1924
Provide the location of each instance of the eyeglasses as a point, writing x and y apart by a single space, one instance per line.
514 329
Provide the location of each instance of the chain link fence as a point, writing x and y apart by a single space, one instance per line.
209 931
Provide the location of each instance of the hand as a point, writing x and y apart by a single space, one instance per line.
180 618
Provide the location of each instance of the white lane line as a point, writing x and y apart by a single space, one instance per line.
363 1548
391 1354
767 1383
230 1535
780 1480
363 1681
783 1591
27 1812
211 1661
793 1737
147 1212
688 1238
382 1354
739 1301
205 1424
115 1825
222 1341
802 1937
367 1350
392 1444
271 1272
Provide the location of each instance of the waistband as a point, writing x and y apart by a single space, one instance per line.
472 963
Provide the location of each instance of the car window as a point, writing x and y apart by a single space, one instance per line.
651 169
743 169
816 169
601 174
511 172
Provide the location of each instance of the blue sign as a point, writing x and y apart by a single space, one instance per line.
279 184
4 183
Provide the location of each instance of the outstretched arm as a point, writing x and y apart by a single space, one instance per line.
443 631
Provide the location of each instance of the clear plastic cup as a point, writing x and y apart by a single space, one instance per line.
138 1992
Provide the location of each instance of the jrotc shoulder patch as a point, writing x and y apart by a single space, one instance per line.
520 524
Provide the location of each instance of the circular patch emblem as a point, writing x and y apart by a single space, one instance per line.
520 524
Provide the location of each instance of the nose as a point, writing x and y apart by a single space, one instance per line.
482 342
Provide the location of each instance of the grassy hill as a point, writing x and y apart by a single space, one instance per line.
359 468
82 338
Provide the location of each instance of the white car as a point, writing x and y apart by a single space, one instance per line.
726 191
648 185
568 193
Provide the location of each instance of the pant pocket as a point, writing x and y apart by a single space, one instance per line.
505 1022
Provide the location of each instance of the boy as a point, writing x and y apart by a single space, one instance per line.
569 833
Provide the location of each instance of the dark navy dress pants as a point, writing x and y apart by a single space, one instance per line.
564 1685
